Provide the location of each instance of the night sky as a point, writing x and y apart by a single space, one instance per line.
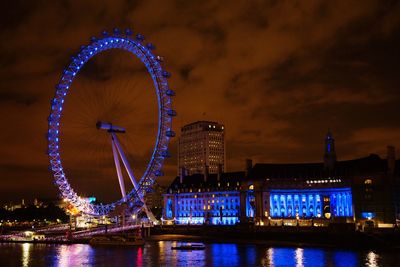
278 74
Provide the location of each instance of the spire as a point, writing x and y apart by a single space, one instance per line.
330 153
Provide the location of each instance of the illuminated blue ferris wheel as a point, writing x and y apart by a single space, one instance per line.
135 45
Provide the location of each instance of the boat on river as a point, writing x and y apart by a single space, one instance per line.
189 247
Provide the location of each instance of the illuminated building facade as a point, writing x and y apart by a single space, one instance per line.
362 191
311 203
204 199
201 148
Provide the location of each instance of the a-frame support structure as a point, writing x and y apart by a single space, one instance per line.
117 154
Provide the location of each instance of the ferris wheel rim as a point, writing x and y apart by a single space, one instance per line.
159 77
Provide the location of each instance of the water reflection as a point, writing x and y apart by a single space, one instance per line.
218 252
299 255
74 255
281 256
371 259
139 259
269 257
215 254
25 254
344 258
315 257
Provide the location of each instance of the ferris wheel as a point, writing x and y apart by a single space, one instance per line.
133 44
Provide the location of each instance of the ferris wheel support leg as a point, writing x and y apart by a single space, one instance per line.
125 162
131 176
118 167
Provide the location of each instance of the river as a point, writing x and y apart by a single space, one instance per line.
159 253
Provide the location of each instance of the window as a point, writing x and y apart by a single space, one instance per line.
368 189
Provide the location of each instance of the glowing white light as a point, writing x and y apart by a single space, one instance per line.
299 255
371 259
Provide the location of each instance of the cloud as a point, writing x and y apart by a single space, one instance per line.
278 74
368 140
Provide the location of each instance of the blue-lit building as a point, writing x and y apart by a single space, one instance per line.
361 191
204 199
311 203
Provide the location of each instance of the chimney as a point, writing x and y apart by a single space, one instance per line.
181 174
219 172
391 159
206 172
248 165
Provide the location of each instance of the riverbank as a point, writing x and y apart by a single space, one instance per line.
286 236
67 242
338 237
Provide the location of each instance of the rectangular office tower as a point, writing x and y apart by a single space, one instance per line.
201 148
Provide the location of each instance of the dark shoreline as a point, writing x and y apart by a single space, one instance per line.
282 236
42 242
270 236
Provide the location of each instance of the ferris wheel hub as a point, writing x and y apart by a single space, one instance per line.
109 127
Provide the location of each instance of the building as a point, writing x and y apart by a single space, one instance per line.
201 148
154 199
204 199
363 191
12 207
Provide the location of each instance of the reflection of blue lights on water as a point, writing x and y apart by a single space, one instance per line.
251 256
300 257
294 257
344 259
219 252
215 254
281 257
314 257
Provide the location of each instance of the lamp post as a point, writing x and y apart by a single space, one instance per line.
134 218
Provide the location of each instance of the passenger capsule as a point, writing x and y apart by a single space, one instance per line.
170 92
165 154
170 133
171 113
116 31
139 37
159 173
166 74
128 32
150 46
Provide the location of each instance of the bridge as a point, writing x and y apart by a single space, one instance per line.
63 233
